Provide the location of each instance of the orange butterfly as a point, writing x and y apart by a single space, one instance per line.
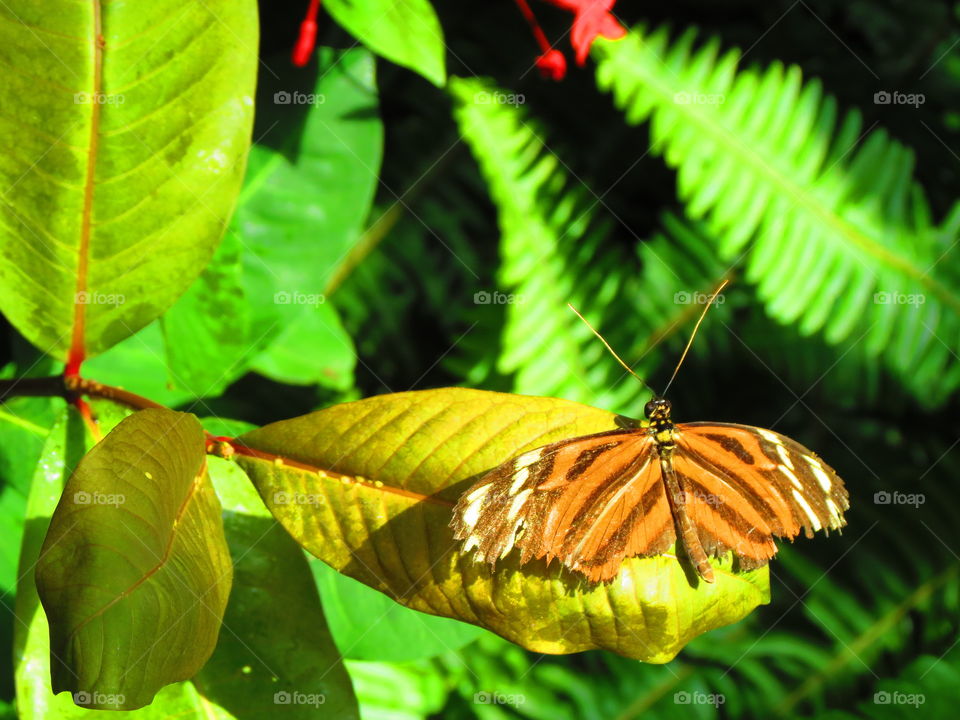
593 501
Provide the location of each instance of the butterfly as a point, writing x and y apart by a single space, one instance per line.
708 488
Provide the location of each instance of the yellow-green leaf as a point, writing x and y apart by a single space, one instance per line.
369 486
125 129
135 571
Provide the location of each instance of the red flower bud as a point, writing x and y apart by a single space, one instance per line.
307 41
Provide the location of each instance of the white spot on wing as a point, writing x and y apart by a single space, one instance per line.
820 474
519 480
472 513
784 456
517 503
512 539
772 437
814 520
528 458
834 512
477 493
790 474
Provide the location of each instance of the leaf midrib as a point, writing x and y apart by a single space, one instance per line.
161 562
77 344
279 461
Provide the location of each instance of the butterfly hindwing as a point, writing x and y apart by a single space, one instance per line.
784 482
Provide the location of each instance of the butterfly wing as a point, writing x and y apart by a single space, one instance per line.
590 501
745 485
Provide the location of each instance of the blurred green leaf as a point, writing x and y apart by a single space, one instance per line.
406 32
275 655
122 165
134 572
398 691
206 334
368 625
368 487
309 185
24 425
312 349
139 364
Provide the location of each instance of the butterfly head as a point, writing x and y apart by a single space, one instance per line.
657 409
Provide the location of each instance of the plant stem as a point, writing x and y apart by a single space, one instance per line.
70 388
94 389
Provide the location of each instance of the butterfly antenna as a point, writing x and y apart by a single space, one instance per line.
694 333
607 345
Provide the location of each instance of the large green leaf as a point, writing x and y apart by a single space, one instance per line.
404 31
127 127
255 632
62 450
134 572
309 185
368 487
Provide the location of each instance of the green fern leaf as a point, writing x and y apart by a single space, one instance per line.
556 248
836 233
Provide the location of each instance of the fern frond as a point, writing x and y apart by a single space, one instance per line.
836 233
425 259
557 248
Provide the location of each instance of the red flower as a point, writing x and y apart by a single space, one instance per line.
592 18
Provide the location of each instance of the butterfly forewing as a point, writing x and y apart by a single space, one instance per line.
589 501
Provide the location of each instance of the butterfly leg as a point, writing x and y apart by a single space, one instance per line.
685 528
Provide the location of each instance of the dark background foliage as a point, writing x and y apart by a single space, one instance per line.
874 610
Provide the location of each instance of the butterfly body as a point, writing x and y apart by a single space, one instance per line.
708 488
